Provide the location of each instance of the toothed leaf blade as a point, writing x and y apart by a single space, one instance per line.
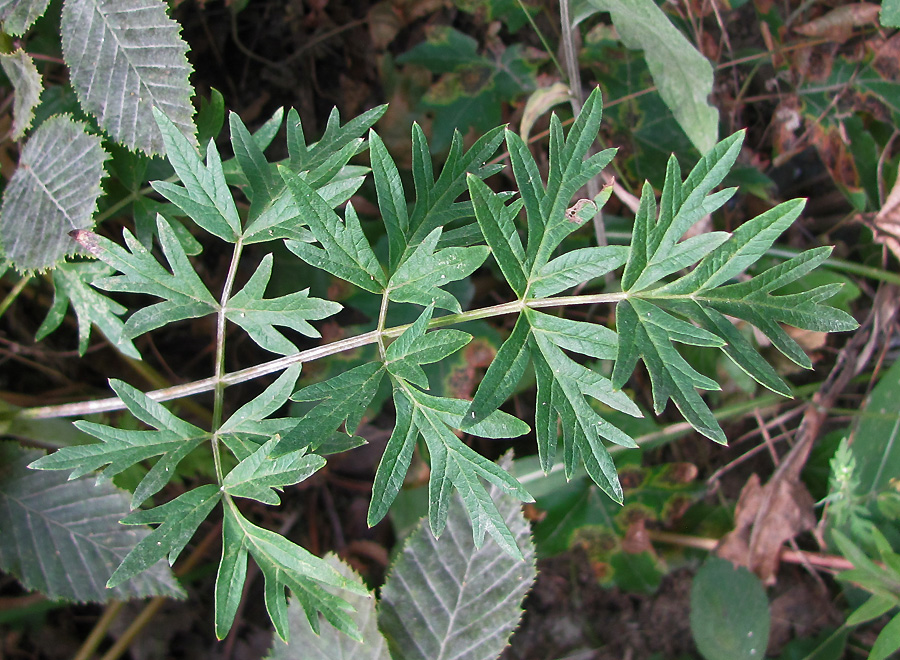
126 59
62 537
53 191
447 598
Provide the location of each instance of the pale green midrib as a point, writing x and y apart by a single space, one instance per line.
358 341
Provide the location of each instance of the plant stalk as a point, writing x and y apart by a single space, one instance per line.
219 387
805 557
13 294
224 380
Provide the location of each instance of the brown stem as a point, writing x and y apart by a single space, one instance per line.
818 559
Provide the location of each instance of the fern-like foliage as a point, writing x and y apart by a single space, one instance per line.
455 225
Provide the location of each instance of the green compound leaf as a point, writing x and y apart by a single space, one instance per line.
315 157
497 223
18 15
258 315
548 222
391 198
329 643
71 285
177 520
127 60
753 301
62 538
395 460
343 400
345 252
646 331
418 279
262 185
259 475
503 375
204 195
540 339
184 294
655 251
283 565
646 328
748 243
575 267
449 598
436 204
414 348
250 426
453 463
23 74
322 166
53 191
439 207
120 448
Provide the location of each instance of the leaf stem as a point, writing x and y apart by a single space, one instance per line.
222 380
133 196
13 294
382 318
220 385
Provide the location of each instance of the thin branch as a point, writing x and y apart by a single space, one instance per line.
236 377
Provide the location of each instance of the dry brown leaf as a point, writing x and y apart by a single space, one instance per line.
385 22
886 223
809 340
838 24
540 101
637 539
765 518
887 57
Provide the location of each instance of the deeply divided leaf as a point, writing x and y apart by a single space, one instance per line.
71 286
119 449
183 292
284 565
342 399
258 316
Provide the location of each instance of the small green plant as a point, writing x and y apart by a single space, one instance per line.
863 507
456 223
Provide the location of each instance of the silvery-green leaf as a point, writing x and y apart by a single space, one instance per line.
126 57
63 538
53 192
446 598
18 15
23 74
